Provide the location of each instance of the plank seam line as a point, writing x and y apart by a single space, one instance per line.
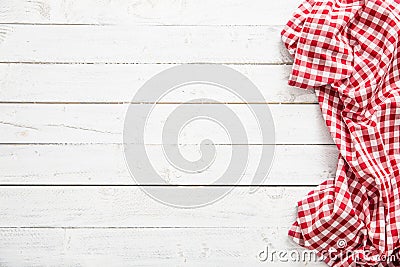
150 185
152 103
106 144
139 24
145 63
127 227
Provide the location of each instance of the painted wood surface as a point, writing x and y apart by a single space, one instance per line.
104 123
154 12
142 44
105 164
129 206
69 69
163 246
116 83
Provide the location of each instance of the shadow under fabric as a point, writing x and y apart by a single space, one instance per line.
348 52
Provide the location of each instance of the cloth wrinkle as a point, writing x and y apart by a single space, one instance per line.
348 51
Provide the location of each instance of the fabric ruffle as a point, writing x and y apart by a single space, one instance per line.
348 52
321 53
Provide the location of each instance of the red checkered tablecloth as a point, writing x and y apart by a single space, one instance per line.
348 52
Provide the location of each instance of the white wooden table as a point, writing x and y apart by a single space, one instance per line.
68 70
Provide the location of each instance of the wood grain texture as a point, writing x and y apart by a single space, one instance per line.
119 83
143 44
129 206
69 68
103 123
105 164
165 246
155 12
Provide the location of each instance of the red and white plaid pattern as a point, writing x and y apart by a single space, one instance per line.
348 52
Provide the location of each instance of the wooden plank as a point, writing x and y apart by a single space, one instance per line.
129 206
142 44
158 12
105 164
119 83
150 247
103 123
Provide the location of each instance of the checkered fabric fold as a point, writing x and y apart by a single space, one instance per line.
348 52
